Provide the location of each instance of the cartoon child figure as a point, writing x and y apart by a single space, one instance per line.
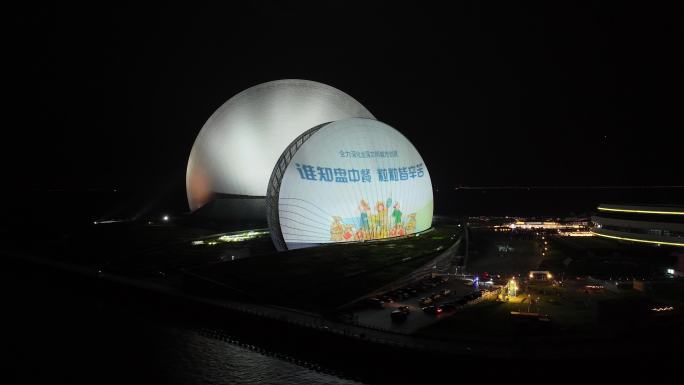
411 223
336 229
348 232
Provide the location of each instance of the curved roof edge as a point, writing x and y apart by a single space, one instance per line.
643 209
273 191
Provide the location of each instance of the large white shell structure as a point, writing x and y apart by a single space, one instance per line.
237 148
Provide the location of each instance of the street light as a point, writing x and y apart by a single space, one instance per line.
165 218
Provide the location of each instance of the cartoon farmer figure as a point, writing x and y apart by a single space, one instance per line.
388 222
382 220
396 214
365 210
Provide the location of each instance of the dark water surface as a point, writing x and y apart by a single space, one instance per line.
56 335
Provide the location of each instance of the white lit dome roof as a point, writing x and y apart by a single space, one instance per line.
238 146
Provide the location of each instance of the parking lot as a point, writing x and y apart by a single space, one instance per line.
380 318
502 254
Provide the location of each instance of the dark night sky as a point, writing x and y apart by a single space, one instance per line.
514 94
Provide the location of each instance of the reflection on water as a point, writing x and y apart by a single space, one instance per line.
192 358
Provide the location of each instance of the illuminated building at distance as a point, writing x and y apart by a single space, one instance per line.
657 225
548 225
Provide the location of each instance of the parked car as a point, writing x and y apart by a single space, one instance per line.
387 298
375 303
398 316
425 301
404 309
432 309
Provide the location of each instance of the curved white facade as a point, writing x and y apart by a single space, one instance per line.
349 180
238 146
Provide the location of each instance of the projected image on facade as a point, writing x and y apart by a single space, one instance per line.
350 180
381 223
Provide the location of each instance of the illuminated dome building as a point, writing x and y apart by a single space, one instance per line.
310 162
237 148
349 180
657 225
